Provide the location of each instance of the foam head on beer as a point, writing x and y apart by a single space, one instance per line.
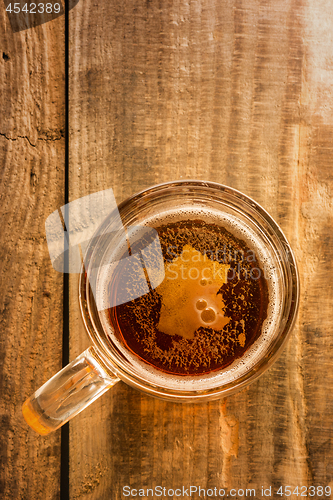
189 294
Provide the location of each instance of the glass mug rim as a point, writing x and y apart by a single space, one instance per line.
248 208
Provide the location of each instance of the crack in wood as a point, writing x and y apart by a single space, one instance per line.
62 136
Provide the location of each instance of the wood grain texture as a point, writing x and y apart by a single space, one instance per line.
32 186
237 92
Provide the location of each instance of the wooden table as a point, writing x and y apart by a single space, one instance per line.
237 92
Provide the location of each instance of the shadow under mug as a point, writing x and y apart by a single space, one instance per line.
102 365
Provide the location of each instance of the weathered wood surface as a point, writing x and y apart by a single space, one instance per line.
239 93
32 144
230 91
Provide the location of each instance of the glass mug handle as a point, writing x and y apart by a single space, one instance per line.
68 392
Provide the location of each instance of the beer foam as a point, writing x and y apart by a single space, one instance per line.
190 300
268 262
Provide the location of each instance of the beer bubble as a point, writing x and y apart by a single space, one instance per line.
201 304
208 315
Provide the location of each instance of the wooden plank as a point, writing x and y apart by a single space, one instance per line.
32 172
238 93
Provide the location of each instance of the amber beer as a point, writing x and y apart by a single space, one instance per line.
211 307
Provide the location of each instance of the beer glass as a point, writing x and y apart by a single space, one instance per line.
108 361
